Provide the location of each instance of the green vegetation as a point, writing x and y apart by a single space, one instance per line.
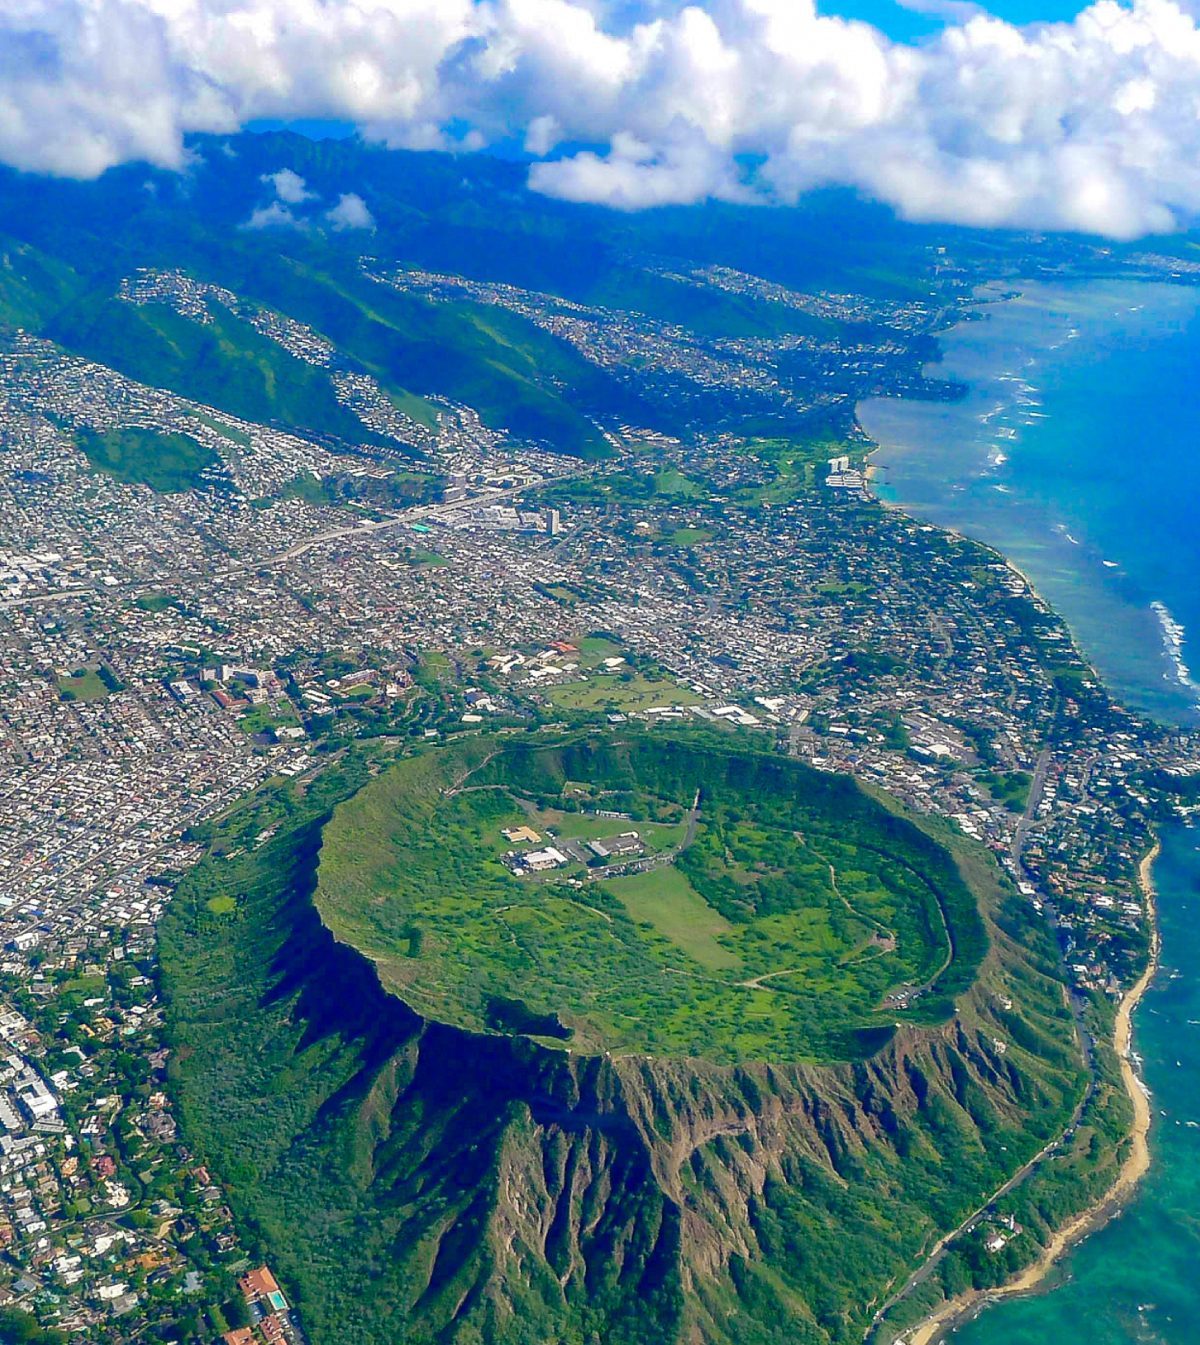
395 491
690 536
799 464
84 684
263 718
415 1182
1008 787
411 1182
318 1128
409 487
567 594
808 901
595 648
666 901
65 245
225 363
630 486
423 412
673 482
21 1328
165 462
513 374
156 601
415 555
589 827
433 668
623 691
239 437
311 489
33 286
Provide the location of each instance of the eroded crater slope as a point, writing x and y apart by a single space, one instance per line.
463 1103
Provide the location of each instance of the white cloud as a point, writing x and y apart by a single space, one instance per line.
541 135
350 213
953 11
1093 124
274 216
634 176
289 186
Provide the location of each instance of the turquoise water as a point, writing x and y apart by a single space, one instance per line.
1075 453
1077 446
1138 1279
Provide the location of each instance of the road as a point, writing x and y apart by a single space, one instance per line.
406 518
1036 787
652 862
923 1272
1087 1046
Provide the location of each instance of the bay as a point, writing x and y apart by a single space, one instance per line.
1075 454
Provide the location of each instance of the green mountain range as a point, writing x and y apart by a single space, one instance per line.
66 247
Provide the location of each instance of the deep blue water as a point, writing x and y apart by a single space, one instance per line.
1078 445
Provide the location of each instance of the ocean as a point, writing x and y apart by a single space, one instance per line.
1075 454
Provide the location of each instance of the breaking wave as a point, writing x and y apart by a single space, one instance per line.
1173 637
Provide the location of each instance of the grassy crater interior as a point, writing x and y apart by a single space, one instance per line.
786 916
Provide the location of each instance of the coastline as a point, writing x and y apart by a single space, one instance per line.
956 1311
938 464
1001 558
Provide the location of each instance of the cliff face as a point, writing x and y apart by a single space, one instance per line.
635 1190
416 1182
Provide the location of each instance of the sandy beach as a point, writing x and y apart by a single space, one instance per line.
958 1310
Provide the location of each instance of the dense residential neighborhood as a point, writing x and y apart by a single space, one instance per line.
164 652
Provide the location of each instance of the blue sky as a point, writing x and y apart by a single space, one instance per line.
904 24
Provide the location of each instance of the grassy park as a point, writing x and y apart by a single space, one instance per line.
621 691
84 684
